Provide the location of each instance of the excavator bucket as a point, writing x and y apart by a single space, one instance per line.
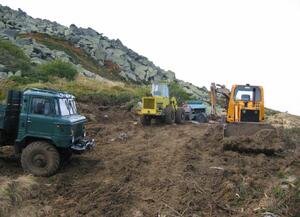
251 138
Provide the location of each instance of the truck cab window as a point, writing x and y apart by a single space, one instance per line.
40 106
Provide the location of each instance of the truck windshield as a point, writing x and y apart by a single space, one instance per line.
67 107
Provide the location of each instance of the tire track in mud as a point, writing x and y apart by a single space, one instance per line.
166 170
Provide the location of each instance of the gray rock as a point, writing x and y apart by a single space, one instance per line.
3 75
2 25
37 61
23 41
99 54
3 68
9 74
18 73
88 74
11 33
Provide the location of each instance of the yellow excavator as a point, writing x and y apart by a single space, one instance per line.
245 116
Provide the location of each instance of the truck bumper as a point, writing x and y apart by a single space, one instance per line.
83 145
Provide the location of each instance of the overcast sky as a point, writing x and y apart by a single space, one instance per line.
227 42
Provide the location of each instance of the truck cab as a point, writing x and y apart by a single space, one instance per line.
44 126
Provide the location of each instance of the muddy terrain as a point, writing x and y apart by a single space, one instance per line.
156 171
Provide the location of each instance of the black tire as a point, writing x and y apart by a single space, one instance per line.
188 116
180 116
169 115
201 118
146 120
40 159
1 138
65 156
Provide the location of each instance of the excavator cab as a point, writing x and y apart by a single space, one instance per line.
246 104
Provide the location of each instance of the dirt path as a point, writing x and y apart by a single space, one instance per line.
158 171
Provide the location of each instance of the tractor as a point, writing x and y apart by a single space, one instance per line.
160 106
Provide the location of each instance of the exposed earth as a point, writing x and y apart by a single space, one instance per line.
156 171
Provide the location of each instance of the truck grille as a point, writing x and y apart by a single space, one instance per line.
78 130
148 104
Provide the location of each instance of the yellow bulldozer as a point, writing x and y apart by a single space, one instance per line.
245 119
160 106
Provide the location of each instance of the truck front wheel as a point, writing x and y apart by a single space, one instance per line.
40 159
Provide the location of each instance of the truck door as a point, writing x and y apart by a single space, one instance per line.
40 119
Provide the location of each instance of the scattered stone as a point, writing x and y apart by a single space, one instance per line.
123 136
269 214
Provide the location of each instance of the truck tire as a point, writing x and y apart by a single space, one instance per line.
169 115
146 120
65 156
201 118
179 116
40 159
1 138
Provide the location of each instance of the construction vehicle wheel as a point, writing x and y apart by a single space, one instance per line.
169 115
40 159
179 116
201 118
146 120
188 116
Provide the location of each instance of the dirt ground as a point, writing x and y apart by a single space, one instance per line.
160 171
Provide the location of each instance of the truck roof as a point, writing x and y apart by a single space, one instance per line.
48 93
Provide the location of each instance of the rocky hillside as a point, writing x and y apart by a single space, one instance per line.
90 52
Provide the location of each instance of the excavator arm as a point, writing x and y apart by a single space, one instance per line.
214 90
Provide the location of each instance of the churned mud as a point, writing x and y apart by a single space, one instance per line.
160 170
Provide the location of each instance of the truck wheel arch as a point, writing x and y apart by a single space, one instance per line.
30 139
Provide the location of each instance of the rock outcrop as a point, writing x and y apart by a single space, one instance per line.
133 67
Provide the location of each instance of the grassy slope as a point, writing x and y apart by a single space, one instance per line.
49 76
44 77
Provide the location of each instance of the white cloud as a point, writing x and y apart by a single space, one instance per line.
256 42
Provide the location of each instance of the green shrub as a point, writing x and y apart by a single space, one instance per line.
57 68
178 93
278 192
13 57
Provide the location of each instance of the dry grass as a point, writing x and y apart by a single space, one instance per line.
284 120
14 192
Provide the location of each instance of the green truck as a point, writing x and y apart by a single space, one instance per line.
44 127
